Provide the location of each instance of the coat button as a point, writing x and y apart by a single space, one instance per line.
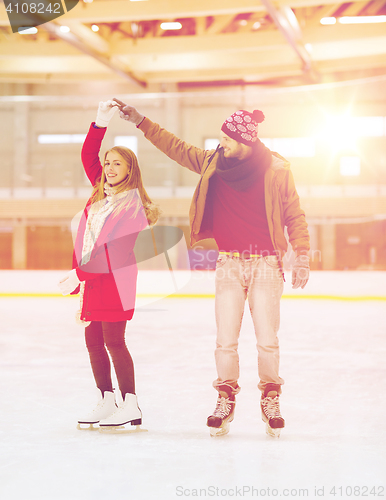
88 313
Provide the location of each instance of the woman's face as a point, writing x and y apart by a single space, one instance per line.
115 167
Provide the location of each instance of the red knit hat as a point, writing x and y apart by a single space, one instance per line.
242 126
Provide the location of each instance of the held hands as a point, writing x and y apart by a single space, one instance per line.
129 113
106 111
300 271
69 283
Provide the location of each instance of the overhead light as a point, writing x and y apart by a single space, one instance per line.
95 28
308 48
64 29
328 20
256 25
171 26
362 19
27 31
243 22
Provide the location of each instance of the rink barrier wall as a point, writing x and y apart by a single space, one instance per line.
205 296
323 285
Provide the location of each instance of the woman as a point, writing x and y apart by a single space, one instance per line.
104 268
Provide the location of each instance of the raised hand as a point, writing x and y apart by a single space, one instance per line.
106 111
129 113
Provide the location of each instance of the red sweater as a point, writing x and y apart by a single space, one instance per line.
111 273
239 218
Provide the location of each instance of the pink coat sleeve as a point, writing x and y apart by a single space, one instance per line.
90 153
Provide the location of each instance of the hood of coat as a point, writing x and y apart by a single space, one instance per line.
279 163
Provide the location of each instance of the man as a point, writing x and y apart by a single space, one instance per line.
244 199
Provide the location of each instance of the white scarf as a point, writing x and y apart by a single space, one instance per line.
97 216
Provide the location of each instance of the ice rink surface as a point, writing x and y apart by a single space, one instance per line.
332 359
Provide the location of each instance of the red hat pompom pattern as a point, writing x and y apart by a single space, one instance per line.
242 126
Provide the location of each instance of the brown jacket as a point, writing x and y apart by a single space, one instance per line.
281 199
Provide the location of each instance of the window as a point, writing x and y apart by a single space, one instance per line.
61 138
350 166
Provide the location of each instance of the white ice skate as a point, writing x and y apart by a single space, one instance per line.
219 422
127 412
105 407
270 413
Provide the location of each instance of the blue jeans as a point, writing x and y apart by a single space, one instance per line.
260 280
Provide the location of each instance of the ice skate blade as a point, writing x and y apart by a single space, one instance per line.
90 427
219 431
120 429
275 433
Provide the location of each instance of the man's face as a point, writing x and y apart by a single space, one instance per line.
234 149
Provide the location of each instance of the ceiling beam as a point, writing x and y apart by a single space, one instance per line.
263 41
51 65
286 22
82 46
233 42
267 72
200 26
354 8
225 74
208 56
86 35
86 69
48 77
237 64
108 11
374 7
319 13
219 24
297 4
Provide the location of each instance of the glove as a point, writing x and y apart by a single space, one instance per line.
69 283
106 111
300 271
129 113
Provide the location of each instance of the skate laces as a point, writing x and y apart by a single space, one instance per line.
120 407
223 408
99 405
271 406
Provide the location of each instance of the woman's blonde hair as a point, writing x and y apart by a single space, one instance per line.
132 181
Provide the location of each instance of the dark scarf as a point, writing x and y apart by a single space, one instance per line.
240 175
